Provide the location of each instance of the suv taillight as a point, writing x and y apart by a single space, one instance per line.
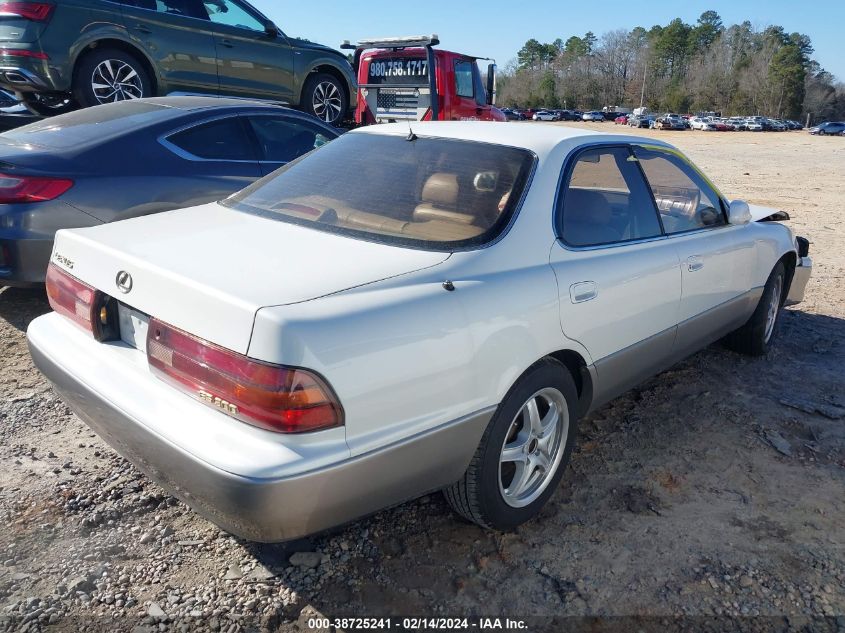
274 397
22 189
36 11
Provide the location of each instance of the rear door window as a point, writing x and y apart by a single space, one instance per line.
606 201
281 139
221 139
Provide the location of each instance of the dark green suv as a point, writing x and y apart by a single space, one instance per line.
63 53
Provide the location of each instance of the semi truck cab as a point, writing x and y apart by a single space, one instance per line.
396 82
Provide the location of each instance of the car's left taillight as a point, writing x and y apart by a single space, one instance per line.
92 310
35 11
274 397
17 189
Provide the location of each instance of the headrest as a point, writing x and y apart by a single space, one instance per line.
586 206
441 189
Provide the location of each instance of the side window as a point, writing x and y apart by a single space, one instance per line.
187 8
281 140
606 200
463 79
685 201
480 89
232 14
223 139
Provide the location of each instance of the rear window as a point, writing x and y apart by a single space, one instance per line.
89 124
430 193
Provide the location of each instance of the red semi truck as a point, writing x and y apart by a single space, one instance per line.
395 82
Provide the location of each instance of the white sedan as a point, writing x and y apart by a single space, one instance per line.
702 123
401 313
543 115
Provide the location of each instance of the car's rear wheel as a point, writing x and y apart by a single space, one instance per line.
110 75
48 104
755 338
523 452
325 98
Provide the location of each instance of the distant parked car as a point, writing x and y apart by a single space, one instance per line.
592 116
134 158
545 115
702 123
640 120
828 128
88 52
669 122
512 115
622 119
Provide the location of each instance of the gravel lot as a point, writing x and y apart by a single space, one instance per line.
716 489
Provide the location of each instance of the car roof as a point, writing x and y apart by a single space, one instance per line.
93 126
539 138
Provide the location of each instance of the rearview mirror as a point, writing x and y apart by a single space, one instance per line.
271 29
739 213
491 84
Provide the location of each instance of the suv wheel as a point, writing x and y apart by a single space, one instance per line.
110 75
324 97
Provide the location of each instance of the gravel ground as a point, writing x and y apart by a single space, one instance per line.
715 489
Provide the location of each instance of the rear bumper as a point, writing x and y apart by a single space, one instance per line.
19 78
27 261
109 387
799 281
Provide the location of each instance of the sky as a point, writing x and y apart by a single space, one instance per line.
499 29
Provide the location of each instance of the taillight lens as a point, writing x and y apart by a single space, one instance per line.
277 398
72 298
37 11
18 189
23 52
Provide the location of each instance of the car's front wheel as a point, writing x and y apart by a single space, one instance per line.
109 75
756 336
325 98
523 453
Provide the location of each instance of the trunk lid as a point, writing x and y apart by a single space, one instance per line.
208 269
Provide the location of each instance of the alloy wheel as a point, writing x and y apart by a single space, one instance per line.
327 101
115 80
774 307
533 447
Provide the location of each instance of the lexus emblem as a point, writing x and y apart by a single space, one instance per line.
124 281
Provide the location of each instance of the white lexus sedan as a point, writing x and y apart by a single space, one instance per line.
398 313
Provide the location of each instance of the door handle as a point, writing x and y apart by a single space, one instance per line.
227 43
583 291
142 29
694 263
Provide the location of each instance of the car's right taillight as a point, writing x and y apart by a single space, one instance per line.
36 11
72 298
274 397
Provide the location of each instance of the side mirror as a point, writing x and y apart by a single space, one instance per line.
271 29
491 84
739 213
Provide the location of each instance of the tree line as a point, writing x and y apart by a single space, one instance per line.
679 67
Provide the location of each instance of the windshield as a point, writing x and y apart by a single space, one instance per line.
431 193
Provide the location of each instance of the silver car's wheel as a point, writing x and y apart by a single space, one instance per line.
774 309
116 80
531 451
523 452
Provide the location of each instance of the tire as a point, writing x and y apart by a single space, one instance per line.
755 338
109 75
487 494
325 97
821 132
48 104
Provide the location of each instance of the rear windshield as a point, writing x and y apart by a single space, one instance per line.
89 124
430 193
